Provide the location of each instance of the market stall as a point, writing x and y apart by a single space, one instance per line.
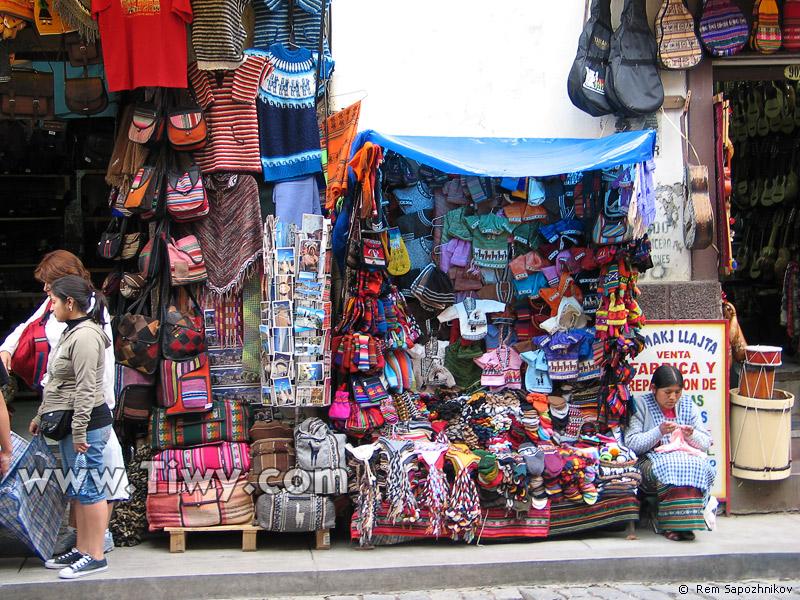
480 360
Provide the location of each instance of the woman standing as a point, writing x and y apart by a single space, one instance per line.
75 383
55 265
674 465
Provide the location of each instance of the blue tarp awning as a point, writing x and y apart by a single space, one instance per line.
516 157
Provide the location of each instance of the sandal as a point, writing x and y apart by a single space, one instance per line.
686 535
672 535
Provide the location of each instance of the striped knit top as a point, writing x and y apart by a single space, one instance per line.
218 34
229 101
272 23
287 117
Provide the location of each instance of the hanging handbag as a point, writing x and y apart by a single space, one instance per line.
132 243
84 95
186 128
132 285
80 51
135 392
27 95
183 333
185 385
29 360
147 122
373 254
110 245
354 255
144 189
186 263
137 339
186 196
152 256
609 230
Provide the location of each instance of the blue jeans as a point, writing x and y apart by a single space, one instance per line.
89 492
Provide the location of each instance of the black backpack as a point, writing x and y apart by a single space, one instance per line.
586 83
633 83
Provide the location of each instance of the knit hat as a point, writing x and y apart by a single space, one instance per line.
534 458
433 288
414 198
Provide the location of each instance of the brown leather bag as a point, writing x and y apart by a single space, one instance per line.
84 95
27 95
82 52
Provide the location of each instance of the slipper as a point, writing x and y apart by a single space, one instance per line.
787 114
686 535
672 535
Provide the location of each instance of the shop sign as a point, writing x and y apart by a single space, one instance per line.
699 349
792 72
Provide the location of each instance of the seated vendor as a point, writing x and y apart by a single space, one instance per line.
668 435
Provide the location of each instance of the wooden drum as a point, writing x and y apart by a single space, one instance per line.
757 381
769 356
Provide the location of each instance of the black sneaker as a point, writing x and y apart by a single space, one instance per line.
63 560
85 565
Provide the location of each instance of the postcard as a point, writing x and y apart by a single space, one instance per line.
284 257
306 289
284 287
282 392
250 394
281 366
312 225
282 313
282 340
313 371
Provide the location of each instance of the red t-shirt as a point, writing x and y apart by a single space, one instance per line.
670 414
144 42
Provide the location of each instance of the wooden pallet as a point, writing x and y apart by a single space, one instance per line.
177 536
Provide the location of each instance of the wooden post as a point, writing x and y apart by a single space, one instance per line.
177 541
323 539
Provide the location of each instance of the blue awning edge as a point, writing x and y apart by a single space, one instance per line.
516 157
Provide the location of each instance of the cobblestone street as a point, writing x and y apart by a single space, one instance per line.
751 589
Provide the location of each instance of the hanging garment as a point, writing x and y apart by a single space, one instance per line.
295 198
229 104
287 119
218 34
230 235
144 44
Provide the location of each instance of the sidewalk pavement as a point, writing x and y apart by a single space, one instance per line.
755 547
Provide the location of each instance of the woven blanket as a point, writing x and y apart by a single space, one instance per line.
231 233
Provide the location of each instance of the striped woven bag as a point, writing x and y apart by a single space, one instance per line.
723 28
186 263
186 196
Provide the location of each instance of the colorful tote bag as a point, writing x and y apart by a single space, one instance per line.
185 386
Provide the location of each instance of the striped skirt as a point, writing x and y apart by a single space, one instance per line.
679 508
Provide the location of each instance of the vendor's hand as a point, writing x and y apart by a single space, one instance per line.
687 430
81 448
6 358
5 463
33 428
668 427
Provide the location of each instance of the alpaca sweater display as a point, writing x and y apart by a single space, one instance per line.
288 132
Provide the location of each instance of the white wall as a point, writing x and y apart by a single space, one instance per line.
495 69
